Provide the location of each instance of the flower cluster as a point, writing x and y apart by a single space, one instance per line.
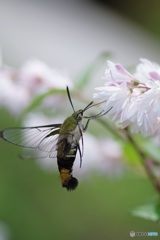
18 87
134 99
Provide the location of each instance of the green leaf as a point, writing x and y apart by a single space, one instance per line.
85 77
40 98
148 212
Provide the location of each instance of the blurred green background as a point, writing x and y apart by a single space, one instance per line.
33 205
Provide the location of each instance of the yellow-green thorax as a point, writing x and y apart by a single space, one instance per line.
71 123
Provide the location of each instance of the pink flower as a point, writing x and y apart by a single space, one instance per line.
19 87
117 92
134 98
38 77
13 96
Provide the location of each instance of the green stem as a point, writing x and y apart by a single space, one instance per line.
147 163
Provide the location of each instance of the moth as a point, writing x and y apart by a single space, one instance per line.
60 141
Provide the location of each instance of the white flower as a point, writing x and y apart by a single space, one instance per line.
117 92
38 77
19 87
117 74
134 99
12 96
148 72
148 115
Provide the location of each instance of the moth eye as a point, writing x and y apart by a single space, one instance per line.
79 117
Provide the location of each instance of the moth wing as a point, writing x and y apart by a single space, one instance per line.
43 138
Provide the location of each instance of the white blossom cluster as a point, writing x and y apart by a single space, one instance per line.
134 99
18 87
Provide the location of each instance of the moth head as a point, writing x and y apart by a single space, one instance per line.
79 115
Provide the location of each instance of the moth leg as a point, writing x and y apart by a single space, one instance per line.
86 126
80 154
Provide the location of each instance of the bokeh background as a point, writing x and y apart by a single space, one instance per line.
70 35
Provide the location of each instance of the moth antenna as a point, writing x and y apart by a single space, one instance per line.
92 105
102 113
69 97
88 106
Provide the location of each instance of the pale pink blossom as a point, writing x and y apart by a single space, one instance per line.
38 77
134 98
13 96
18 87
117 92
